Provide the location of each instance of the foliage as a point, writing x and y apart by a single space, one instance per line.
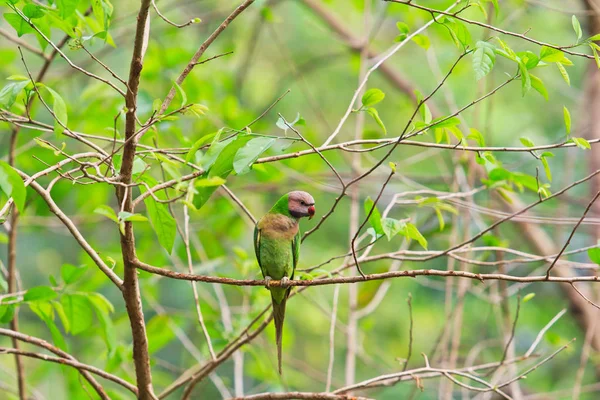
475 117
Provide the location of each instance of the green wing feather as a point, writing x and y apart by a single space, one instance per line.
257 248
295 252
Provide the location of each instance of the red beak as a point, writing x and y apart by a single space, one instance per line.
311 212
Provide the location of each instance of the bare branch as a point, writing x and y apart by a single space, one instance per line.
186 71
492 28
191 21
587 209
42 343
72 363
300 395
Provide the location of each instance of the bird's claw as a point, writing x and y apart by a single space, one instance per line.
268 280
285 282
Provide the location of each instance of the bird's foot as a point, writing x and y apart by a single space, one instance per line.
285 282
268 280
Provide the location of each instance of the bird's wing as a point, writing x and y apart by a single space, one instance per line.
295 251
257 247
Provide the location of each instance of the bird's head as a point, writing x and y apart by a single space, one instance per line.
301 204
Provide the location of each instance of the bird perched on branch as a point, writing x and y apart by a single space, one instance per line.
277 247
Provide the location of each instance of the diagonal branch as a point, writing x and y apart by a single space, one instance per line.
193 62
43 344
72 363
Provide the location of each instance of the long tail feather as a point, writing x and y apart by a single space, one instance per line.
278 317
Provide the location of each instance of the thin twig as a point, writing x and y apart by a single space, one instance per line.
43 344
587 209
493 28
72 363
352 243
191 21
410 332
186 240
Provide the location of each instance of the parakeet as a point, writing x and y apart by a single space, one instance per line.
277 247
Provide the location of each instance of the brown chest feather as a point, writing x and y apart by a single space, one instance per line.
277 226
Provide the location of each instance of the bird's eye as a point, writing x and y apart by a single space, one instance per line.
303 203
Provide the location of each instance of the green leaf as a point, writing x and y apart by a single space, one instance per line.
530 59
375 217
207 182
525 78
71 274
197 109
413 233
222 167
564 73
594 255
21 26
59 108
66 7
103 10
197 145
595 53
402 27
247 155
181 93
476 136
445 122
544 161
78 311
582 143
161 219
483 59
422 41
506 51
39 293
527 142
576 27
538 85
45 310
391 227
9 93
213 152
7 312
159 333
32 11
127 216
458 31
107 212
528 297
373 113
103 308
423 109
61 314
548 54
372 97
12 185
567 116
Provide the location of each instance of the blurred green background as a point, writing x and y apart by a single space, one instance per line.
281 45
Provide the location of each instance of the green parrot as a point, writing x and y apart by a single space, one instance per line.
277 247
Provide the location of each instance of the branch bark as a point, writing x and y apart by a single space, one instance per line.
131 290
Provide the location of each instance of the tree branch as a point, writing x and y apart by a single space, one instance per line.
42 343
131 290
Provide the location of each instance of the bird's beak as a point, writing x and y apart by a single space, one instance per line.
311 212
